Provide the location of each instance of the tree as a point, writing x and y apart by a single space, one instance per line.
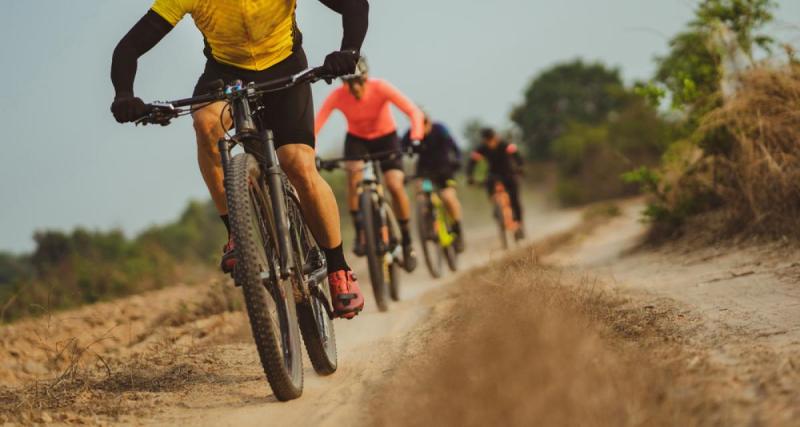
569 92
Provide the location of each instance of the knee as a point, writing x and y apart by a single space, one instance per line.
207 127
395 186
301 172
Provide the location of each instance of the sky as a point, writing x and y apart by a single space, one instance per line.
66 162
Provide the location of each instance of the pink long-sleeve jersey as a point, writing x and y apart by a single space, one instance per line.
370 117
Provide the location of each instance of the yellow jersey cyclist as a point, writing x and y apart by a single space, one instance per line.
256 41
439 159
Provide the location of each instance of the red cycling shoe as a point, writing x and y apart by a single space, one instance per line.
346 296
228 257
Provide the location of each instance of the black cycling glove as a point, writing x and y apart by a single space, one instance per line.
341 62
128 108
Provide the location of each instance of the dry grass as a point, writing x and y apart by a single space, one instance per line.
528 345
758 181
90 382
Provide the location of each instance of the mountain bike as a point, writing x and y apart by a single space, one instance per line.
380 226
435 226
280 267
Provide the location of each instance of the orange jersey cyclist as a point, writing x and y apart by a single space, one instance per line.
371 129
256 41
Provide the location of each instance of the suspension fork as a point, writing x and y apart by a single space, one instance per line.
277 195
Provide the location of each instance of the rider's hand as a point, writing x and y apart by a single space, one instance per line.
414 147
341 62
128 108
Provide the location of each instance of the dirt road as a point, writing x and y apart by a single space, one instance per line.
583 328
177 356
739 305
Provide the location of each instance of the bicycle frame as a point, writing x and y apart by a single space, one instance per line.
503 201
372 177
441 216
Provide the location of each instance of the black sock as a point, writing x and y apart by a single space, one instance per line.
227 223
405 232
335 258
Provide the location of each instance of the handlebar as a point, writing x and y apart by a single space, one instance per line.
331 164
162 113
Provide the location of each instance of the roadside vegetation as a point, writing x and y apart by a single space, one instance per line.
581 117
68 269
735 169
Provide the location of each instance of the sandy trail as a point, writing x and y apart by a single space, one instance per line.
740 306
698 335
178 356
369 348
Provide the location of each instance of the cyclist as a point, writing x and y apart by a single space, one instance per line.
371 129
439 158
505 165
256 41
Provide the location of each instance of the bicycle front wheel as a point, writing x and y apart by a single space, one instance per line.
269 300
372 231
428 237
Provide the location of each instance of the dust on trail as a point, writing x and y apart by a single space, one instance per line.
739 305
613 335
521 343
184 355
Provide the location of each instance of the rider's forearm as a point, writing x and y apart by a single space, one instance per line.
355 20
141 38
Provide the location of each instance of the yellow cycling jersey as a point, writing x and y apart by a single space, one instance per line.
249 34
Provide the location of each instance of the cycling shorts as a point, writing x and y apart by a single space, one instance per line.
355 147
288 113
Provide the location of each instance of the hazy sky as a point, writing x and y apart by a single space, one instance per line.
66 162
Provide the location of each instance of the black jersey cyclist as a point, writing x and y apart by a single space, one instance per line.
505 165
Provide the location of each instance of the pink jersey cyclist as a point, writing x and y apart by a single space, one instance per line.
370 117
371 130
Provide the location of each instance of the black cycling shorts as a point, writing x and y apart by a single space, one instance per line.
288 113
355 147
440 180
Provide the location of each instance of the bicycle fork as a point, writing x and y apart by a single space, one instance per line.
274 181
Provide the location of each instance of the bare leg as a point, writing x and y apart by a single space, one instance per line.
316 197
394 182
354 175
451 203
209 130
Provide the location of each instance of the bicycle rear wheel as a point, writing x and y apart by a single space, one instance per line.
316 326
372 231
428 237
269 300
